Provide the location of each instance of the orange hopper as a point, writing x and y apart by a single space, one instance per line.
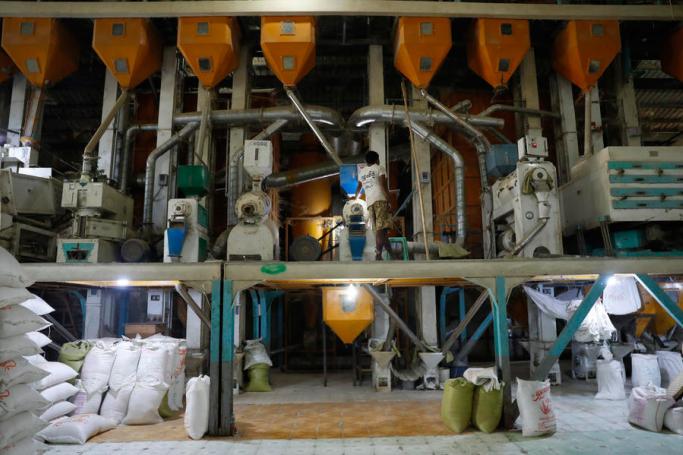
210 46
347 311
672 55
584 49
6 67
42 48
496 47
421 44
130 48
288 44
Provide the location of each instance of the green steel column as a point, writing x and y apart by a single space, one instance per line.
227 357
215 358
573 324
502 348
664 300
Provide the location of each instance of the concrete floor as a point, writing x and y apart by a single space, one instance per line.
585 425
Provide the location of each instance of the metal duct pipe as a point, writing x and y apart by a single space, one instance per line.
294 177
399 322
204 125
89 157
396 114
127 151
181 289
265 116
459 165
174 140
587 125
518 109
319 134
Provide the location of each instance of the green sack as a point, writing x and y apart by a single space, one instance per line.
487 409
456 404
165 410
258 378
73 354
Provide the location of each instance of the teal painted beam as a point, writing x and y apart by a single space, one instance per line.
215 357
644 165
226 427
573 324
662 298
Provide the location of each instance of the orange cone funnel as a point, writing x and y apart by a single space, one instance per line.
42 48
210 46
130 48
421 44
584 49
496 47
288 44
347 311
672 55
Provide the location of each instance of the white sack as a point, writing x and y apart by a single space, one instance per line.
125 366
647 406
621 295
18 427
20 398
37 305
13 296
57 410
143 406
610 378
35 359
197 410
152 366
670 366
30 343
28 445
58 372
97 367
17 320
535 408
87 403
115 403
549 305
19 371
11 273
596 326
255 353
645 370
59 392
673 419
76 429
175 368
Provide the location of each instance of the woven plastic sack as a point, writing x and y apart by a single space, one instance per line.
456 404
11 273
645 370
535 408
610 376
670 366
258 378
73 354
487 408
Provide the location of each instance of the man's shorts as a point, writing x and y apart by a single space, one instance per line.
380 216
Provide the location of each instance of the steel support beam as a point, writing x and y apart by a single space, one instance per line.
660 296
501 341
528 87
17 108
377 140
627 106
90 10
108 142
462 326
563 339
469 345
567 141
221 357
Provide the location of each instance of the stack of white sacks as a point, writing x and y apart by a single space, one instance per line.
23 405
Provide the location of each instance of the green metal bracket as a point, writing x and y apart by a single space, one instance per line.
660 296
573 324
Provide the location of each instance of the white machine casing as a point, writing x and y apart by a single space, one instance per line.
258 158
590 195
193 215
354 207
90 251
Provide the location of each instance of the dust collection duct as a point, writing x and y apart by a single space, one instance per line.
210 46
288 44
421 44
347 311
42 48
672 55
130 48
496 47
6 67
584 49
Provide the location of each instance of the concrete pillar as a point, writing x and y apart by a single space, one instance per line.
164 188
17 108
528 85
107 145
426 295
377 132
567 142
93 314
241 87
627 107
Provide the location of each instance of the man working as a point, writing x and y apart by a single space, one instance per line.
373 179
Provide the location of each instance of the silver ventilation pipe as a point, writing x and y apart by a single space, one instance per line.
174 140
131 132
396 114
459 165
